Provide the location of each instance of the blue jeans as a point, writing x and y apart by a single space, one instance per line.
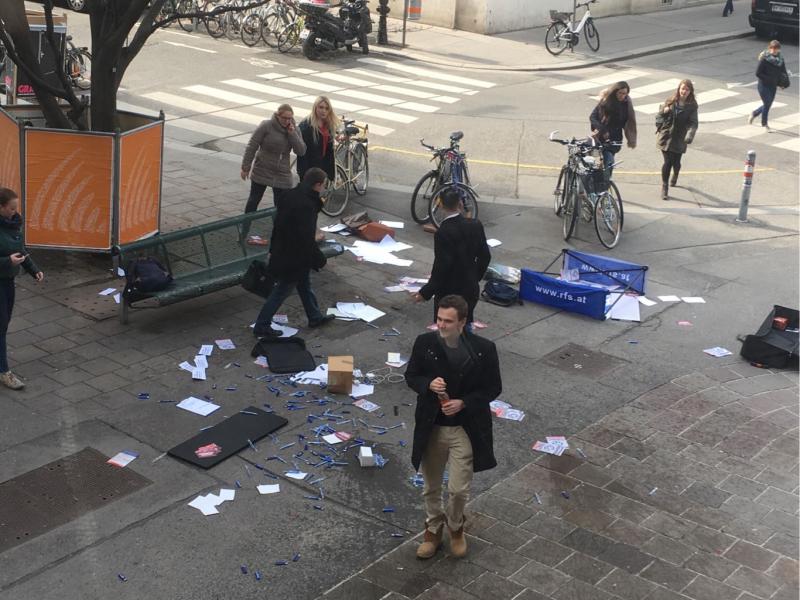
6 306
608 161
280 293
767 94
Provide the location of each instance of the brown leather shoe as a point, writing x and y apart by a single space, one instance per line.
458 543
432 542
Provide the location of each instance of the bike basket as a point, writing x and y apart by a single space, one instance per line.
558 16
363 133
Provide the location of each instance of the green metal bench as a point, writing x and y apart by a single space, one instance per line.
205 258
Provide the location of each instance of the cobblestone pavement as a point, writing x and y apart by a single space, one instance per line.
688 492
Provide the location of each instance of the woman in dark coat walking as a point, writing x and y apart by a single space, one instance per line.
676 124
771 74
319 132
612 117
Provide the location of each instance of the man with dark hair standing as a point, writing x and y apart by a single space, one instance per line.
294 252
456 375
460 258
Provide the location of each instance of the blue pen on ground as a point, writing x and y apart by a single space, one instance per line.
565 494
159 457
289 445
248 412
583 456
371 325
316 481
258 575
538 499
165 401
144 396
312 497
402 443
281 563
121 577
238 485
248 375
388 509
243 569
653 491
230 388
296 557
318 507
236 364
397 535
247 471
249 443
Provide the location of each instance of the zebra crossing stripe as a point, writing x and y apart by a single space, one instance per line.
383 76
264 89
437 75
703 98
418 83
388 116
791 144
745 132
733 112
338 106
654 88
214 131
415 93
338 77
600 81
205 90
310 84
304 71
210 110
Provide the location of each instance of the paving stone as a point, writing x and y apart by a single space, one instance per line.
476 523
705 494
107 382
627 532
667 442
587 542
386 573
62 360
626 586
721 374
76 392
596 455
626 557
490 585
502 508
599 435
663 499
661 397
633 448
703 454
787 592
710 430
544 551
593 520
777 461
744 509
775 498
560 464
55 344
661 593
584 568
738 466
668 549
540 578
694 382
741 445
356 587
770 401
703 588
751 386
548 526
669 525
499 560
674 578
787 444
592 474
443 591
741 486
455 571
751 555
530 595
784 544
671 421
710 517
506 536
696 405
394 596
763 429
101 366
69 376
754 582
785 570
578 590
756 533
711 565
708 540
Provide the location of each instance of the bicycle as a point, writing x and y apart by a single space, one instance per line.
78 65
451 170
584 187
182 7
289 36
351 170
563 33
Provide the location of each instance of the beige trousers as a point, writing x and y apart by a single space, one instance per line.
447 446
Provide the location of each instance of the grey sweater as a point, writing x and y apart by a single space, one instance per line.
270 145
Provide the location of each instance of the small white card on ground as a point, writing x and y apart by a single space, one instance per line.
269 488
197 406
718 351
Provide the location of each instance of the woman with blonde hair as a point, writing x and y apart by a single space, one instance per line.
676 124
318 130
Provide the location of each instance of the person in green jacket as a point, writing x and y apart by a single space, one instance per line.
12 256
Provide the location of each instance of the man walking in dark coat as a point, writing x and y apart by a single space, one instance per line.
456 375
460 258
294 252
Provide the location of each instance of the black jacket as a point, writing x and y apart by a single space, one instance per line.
769 73
293 249
480 383
11 242
460 258
313 156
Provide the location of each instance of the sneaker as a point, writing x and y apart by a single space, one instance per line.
750 119
11 381
321 322
266 332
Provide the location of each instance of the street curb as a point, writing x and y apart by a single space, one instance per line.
433 60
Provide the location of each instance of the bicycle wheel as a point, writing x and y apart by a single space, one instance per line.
468 207
553 40
569 214
271 24
337 194
560 193
287 38
233 22
360 169
251 30
421 197
607 222
186 7
614 191
592 37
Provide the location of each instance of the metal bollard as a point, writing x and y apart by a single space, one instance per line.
747 184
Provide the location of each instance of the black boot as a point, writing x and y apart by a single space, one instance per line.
664 192
674 181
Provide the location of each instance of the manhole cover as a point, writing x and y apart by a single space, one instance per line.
87 300
577 359
56 493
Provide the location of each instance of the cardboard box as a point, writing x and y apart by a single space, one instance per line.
365 456
340 374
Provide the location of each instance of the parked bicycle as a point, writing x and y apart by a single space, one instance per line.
564 33
268 22
181 7
451 171
352 168
584 187
78 65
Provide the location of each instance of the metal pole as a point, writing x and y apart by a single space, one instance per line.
747 184
405 20
383 10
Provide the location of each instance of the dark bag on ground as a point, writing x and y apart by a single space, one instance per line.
772 347
285 355
500 293
356 220
374 231
145 275
257 279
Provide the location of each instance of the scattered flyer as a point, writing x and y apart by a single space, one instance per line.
199 374
186 366
269 488
123 459
107 292
197 406
296 474
393 224
718 351
339 436
555 449
504 410
201 361
261 361
226 344
208 451
366 405
493 243
282 319
395 359
558 440
693 300
117 297
206 349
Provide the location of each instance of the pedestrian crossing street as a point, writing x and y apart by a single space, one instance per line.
385 94
725 109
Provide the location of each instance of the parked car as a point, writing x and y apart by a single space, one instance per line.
770 18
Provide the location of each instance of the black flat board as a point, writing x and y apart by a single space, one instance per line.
231 434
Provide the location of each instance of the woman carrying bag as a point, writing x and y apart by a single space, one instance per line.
676 125
771 74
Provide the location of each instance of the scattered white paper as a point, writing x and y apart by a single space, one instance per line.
504 410
693 300
362 389
625 309
117 297
225 344
359 310
261 361
285 330
669 298
339 436
269 488
187 366
197 406
396 360
387 244
107 292
556 449
645 301
206 349
366 405
335 228
377 255
394 288
340 315
227 494
201 361
393 224
199 374
123 459
493 243
296 474
120 272
718 351
558 440
282 319
317 376
205 505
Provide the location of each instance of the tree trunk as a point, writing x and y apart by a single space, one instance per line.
104 92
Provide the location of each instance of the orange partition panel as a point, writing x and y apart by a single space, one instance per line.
9 153
139 183
68 178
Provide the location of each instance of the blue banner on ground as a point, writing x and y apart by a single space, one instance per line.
569 296
606 271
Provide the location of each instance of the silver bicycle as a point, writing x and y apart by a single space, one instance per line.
564 33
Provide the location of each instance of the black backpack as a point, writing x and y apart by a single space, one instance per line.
500 293
145 275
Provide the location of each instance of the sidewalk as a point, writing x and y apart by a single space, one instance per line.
621 38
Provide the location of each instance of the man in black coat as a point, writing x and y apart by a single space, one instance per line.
460 258
456 375
294 252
